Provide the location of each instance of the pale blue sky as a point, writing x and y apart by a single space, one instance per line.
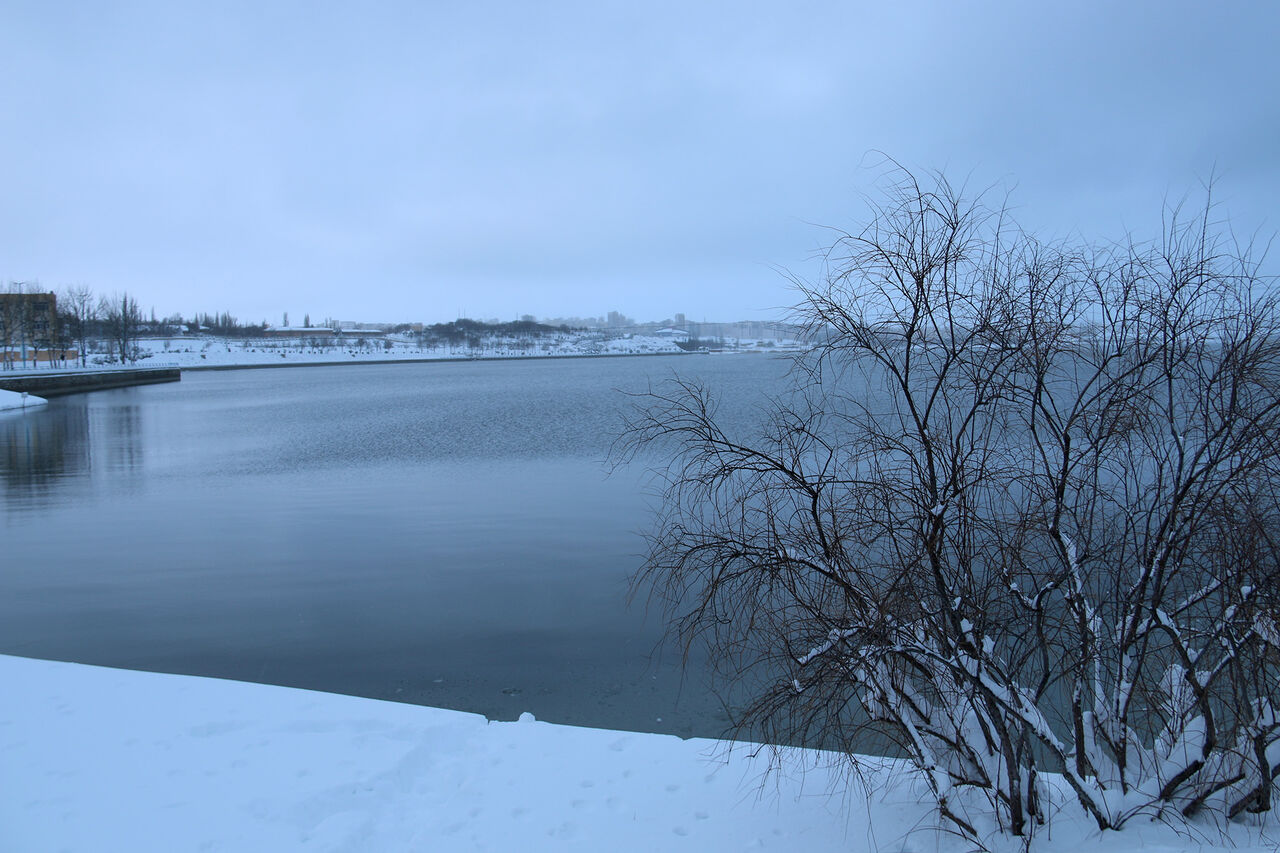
410 161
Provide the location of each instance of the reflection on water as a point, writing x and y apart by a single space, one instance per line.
58 449
41 446
123 423
443 534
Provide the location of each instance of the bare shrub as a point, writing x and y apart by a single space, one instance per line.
1017 514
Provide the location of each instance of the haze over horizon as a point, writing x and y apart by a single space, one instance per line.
409 161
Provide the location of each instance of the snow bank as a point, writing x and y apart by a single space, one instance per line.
97 759
102 759
16 400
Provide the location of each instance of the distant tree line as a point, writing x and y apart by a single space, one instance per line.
694 344
471 332
226 325
38 325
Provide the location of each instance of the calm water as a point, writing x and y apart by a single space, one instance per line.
436 533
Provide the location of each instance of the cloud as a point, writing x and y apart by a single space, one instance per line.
251 157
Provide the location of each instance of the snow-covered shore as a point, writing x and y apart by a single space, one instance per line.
98 759
16 400
103 759
210 352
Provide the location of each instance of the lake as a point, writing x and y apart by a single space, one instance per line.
446 534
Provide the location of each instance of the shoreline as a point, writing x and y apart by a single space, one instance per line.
17 401
156 762
164 763
431 360
76 380
63 383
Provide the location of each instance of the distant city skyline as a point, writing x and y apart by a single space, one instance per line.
418 160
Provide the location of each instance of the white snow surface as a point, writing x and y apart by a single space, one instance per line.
207 351
97 759
17 400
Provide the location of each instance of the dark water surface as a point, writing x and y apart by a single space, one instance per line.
444 534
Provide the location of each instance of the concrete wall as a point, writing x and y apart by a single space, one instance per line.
53 384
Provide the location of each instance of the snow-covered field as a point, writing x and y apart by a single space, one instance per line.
95 759
196 352
218 352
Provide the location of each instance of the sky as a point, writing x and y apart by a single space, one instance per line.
421 161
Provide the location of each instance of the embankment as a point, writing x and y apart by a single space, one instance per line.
57 383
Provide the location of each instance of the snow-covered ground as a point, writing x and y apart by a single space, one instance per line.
205 351
95 759
227 352
16 400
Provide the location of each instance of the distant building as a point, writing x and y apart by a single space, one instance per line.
319 332
298 332
28 324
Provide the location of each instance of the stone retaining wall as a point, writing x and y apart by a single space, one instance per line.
56 384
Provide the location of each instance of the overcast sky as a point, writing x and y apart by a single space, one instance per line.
416 161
